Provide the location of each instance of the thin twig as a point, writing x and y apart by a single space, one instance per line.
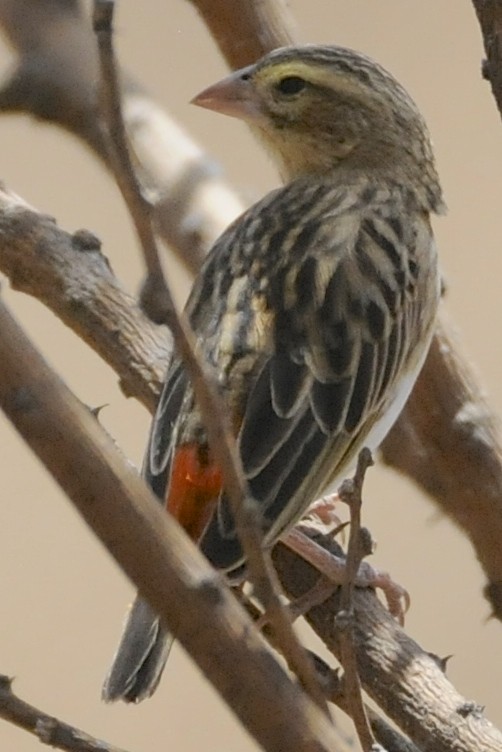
157 294
351 492
48 729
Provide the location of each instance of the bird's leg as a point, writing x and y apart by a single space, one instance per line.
333 568
320 518
336 568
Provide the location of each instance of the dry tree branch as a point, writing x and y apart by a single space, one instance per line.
46 728
70 275
245 31
156 298
124 514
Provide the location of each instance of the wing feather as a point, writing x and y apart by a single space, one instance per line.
157 462
338 358
264 428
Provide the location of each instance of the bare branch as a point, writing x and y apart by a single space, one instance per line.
70 275
245 31
125 516
156 297
49 730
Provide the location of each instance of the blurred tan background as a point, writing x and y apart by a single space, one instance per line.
62 597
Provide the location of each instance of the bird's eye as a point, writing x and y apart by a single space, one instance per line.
291 85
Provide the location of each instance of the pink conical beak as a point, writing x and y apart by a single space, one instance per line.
234 95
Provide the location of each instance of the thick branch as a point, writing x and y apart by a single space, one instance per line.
126 517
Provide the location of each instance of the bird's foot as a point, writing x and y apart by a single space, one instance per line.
333 568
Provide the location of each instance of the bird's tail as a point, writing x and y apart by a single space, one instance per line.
140 658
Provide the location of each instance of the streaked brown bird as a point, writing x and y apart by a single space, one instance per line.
315 308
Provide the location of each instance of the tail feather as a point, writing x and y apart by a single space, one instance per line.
140 658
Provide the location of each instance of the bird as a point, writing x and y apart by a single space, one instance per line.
314 309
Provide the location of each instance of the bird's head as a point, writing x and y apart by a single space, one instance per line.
320 107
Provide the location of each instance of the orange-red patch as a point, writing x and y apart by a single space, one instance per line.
195 486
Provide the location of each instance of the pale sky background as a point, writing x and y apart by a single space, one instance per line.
63 598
